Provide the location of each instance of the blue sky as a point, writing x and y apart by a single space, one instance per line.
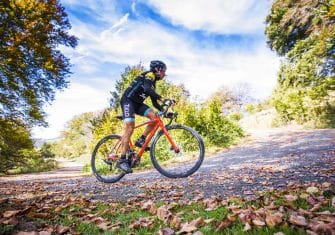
206 44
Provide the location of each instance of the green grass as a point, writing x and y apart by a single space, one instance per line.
301 203
127 215
327 207
84 217
219 214
6 229
88 228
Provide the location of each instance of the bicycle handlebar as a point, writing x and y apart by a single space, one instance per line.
169 103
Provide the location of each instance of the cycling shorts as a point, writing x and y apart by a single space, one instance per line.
129 108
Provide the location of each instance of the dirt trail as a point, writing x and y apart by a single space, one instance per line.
68 169
272 158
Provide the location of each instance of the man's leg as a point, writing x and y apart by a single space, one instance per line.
128 131
123 162
129 123
151 115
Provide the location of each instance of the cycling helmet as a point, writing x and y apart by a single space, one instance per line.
157 65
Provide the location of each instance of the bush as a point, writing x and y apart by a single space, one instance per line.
304 107
35 162
212 125
46 151
14 139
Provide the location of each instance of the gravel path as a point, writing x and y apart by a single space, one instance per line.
271 159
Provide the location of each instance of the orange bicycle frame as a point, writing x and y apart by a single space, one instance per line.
158 124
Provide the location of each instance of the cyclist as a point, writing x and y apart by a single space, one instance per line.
132 102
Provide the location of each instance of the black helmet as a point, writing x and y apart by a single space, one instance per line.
157 65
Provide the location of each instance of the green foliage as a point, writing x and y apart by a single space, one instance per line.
47 151
303 106
76 139
209 121
105 123
235 116
35 162
177 92
291 21
31 65
251 108
207 118
304 32
14 140
17 153
121 85
220 130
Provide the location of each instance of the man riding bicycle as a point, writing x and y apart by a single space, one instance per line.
132 102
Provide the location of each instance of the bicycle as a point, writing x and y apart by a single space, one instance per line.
176 151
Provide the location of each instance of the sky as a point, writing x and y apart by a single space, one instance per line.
206 44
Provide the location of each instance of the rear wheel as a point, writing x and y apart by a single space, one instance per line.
105 157
182 163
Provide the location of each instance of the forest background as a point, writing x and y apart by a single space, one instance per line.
32 68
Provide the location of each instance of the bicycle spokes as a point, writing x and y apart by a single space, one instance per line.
182 160
105 157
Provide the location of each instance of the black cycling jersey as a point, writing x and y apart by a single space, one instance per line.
142 87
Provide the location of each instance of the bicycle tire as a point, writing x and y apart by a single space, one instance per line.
100 166
167 166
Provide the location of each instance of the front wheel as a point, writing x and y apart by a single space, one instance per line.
182 163
104 159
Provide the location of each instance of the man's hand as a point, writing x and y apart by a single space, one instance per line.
169 102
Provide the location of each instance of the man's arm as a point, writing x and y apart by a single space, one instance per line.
155 104
150 89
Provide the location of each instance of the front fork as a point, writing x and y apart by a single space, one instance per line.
171 141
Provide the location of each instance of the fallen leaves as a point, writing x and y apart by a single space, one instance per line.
274 219
163 213
8 214
298 220
175 222
312 190
309 207
291 198
210 203
187 228
223 224
62 229
142 223
258 222
150 206
166 231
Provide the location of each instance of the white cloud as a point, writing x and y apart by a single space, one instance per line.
133 42
220 16
258 69
121 22
77 99
203 69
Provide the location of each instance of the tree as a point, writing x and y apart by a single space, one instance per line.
164 88
75 140
303 31
14 141
31 65
127 77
